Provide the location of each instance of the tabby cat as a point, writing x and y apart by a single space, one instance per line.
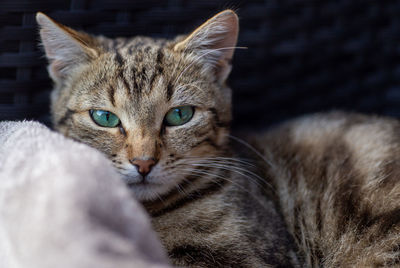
322 190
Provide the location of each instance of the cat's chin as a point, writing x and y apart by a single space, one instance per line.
147 191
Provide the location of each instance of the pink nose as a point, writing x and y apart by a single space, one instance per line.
143 165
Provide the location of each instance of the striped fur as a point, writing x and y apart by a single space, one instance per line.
337 178
322 192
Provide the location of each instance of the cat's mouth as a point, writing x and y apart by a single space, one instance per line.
140 183
137 181
145 190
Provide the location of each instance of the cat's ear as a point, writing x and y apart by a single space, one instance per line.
215 42
65 48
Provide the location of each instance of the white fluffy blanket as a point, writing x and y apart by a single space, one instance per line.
62 205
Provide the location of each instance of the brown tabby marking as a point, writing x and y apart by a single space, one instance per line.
324 190
332 174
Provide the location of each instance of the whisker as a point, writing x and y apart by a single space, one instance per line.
230 162
223 164
239 171
239 166
232 159
226 162
201 173
251 148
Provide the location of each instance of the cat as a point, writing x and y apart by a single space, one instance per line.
321 190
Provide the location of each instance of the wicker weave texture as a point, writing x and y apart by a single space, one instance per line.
303 56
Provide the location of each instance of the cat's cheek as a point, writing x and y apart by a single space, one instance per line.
178 141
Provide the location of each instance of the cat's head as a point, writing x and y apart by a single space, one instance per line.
155 107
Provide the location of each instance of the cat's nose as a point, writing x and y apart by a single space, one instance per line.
143 165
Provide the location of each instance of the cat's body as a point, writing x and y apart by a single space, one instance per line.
338 182
324 190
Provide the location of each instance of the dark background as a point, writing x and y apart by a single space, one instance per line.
303 56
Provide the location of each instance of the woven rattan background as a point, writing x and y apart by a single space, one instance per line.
303 56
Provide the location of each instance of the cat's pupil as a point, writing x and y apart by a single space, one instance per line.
179 113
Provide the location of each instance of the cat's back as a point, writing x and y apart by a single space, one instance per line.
322 128
368 146
337 178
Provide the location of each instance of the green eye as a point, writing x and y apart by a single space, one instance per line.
104 118
179 116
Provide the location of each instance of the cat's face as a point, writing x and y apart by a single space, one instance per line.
156 108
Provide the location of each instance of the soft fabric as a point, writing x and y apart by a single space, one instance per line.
63 205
